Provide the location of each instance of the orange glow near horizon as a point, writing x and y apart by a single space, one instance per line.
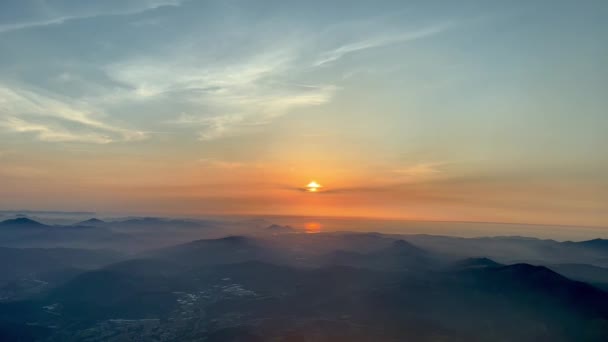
312 227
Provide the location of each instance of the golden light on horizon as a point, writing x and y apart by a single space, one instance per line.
312 228
313 186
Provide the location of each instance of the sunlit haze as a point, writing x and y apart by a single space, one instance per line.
464 111
303 171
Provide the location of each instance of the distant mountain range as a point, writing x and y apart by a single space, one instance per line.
236 283
164 280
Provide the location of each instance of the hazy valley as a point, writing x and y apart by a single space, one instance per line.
157 279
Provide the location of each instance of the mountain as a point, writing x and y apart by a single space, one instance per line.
21 222
594 275
402 248
231 249
21 262
472 263
399 255
336 303
278 229
27 233
91 222
367 288
515 249
546 286
486 302
598 244
26 272
530 279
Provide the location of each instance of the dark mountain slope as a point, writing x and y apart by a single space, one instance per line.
594 275
398 256
226 250
474 263
21 262
541 303
91 222
22 222
596 244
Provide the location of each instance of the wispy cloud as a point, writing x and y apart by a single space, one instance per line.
243 95
52 134
239 95
210 94
235 96
216 127
26 111
379 41
60 19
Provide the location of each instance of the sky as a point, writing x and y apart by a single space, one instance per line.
492 111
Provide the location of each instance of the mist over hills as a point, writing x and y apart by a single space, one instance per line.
303 171
116 279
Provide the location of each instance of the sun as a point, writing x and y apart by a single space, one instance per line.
313 186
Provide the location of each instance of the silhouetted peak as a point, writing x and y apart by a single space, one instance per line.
228 240
276 228
526 268
403 245
596 243
236 239
527 271
91 221
22 221
477 263
401 248
143 220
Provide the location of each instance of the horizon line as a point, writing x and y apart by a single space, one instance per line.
381 218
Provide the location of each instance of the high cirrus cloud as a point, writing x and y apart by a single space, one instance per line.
51 119
235 96
379 41
206 86
45 13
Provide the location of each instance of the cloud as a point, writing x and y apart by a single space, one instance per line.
47 133
216 127
260 109
51 119
376 42
222 82
241 95
139 7
181 72
225 98
341 190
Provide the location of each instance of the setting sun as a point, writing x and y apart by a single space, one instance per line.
313 186
462 188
